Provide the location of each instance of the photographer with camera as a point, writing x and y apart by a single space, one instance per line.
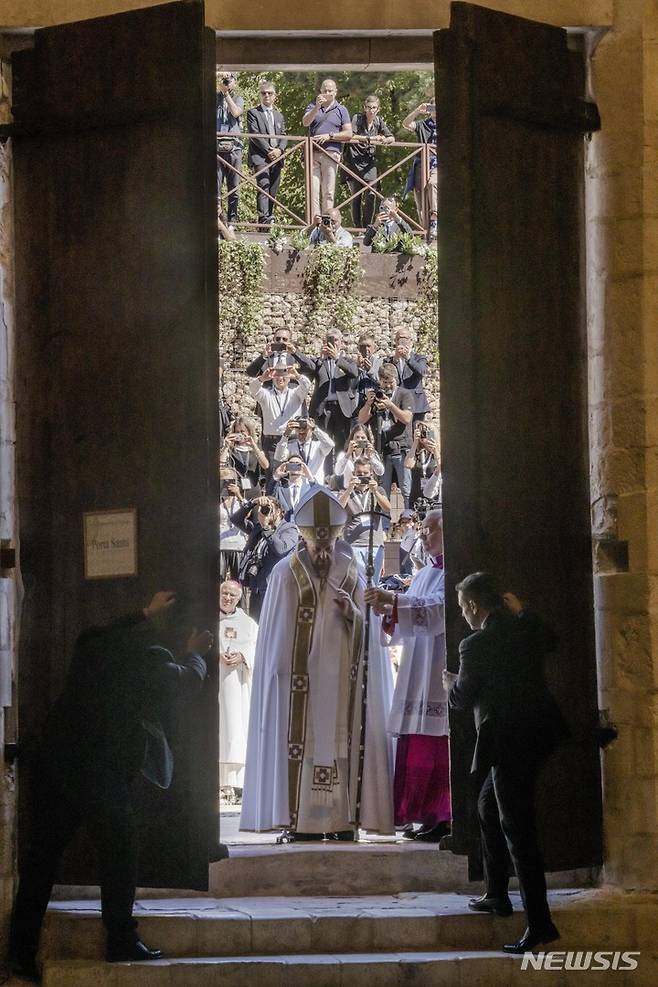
423 461
329 228
269 538
231 539
365 502
389 411
279 403
388 220
369 131
359 445
335 397
229 149
289 484
303 438
240 450
427 197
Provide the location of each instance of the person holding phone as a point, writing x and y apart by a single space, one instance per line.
335 397
388 220
361 495
423 461
411 368
230 107
369 131
329 124
368 361
302 437
281 351
231 539
279 403
241 450
427 197
359 445
290 483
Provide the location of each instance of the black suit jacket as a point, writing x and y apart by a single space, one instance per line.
257 124
501 678
107 724
411 378
305 363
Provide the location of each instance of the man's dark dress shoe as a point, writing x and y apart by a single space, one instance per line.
494 906
131 952
343 836
23 969
433 834
408 832
530 940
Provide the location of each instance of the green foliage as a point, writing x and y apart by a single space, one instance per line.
241 278
398 92
330 280
427 305
280 238
401 243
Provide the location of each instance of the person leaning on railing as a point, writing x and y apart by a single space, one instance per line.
369 131
389 221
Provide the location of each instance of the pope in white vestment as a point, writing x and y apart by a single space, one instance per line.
305 725
237 645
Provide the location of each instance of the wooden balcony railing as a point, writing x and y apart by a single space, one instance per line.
306 148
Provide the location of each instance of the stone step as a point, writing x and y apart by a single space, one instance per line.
425 969
351 869
208 927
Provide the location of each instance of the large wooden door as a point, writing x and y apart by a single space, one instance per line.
512 120
117 365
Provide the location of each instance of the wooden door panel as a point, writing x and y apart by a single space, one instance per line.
116 184
514 376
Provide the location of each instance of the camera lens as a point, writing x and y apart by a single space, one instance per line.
265 508
379 394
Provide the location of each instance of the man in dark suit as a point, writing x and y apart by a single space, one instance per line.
411 368
518 723
266 152
281 352
104 730
335 397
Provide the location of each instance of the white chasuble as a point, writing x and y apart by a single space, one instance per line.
420 703
237 632
304 729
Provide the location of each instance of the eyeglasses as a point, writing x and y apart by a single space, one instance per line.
267 92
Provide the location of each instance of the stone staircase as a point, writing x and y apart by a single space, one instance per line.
385 940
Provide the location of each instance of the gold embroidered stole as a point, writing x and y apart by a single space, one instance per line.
323 776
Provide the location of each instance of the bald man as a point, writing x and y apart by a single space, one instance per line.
237 644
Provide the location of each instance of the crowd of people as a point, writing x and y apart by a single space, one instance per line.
340 139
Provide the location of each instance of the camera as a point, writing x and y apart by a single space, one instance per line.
226 79
294 468
302 422
362 444
326 220
379 394
278 347
363 350
264 508
363 481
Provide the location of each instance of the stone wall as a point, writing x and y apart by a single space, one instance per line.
379 316
622 243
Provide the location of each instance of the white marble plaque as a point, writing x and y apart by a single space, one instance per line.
110 544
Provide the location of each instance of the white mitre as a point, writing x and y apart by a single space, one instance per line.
321 510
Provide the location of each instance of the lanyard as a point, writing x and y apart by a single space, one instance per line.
281 407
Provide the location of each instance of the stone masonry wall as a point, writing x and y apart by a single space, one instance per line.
622 238
380 316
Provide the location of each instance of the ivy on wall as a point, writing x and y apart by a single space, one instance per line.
330 280
427 305
241 278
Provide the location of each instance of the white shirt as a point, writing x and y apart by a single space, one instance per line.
313 452
278 407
